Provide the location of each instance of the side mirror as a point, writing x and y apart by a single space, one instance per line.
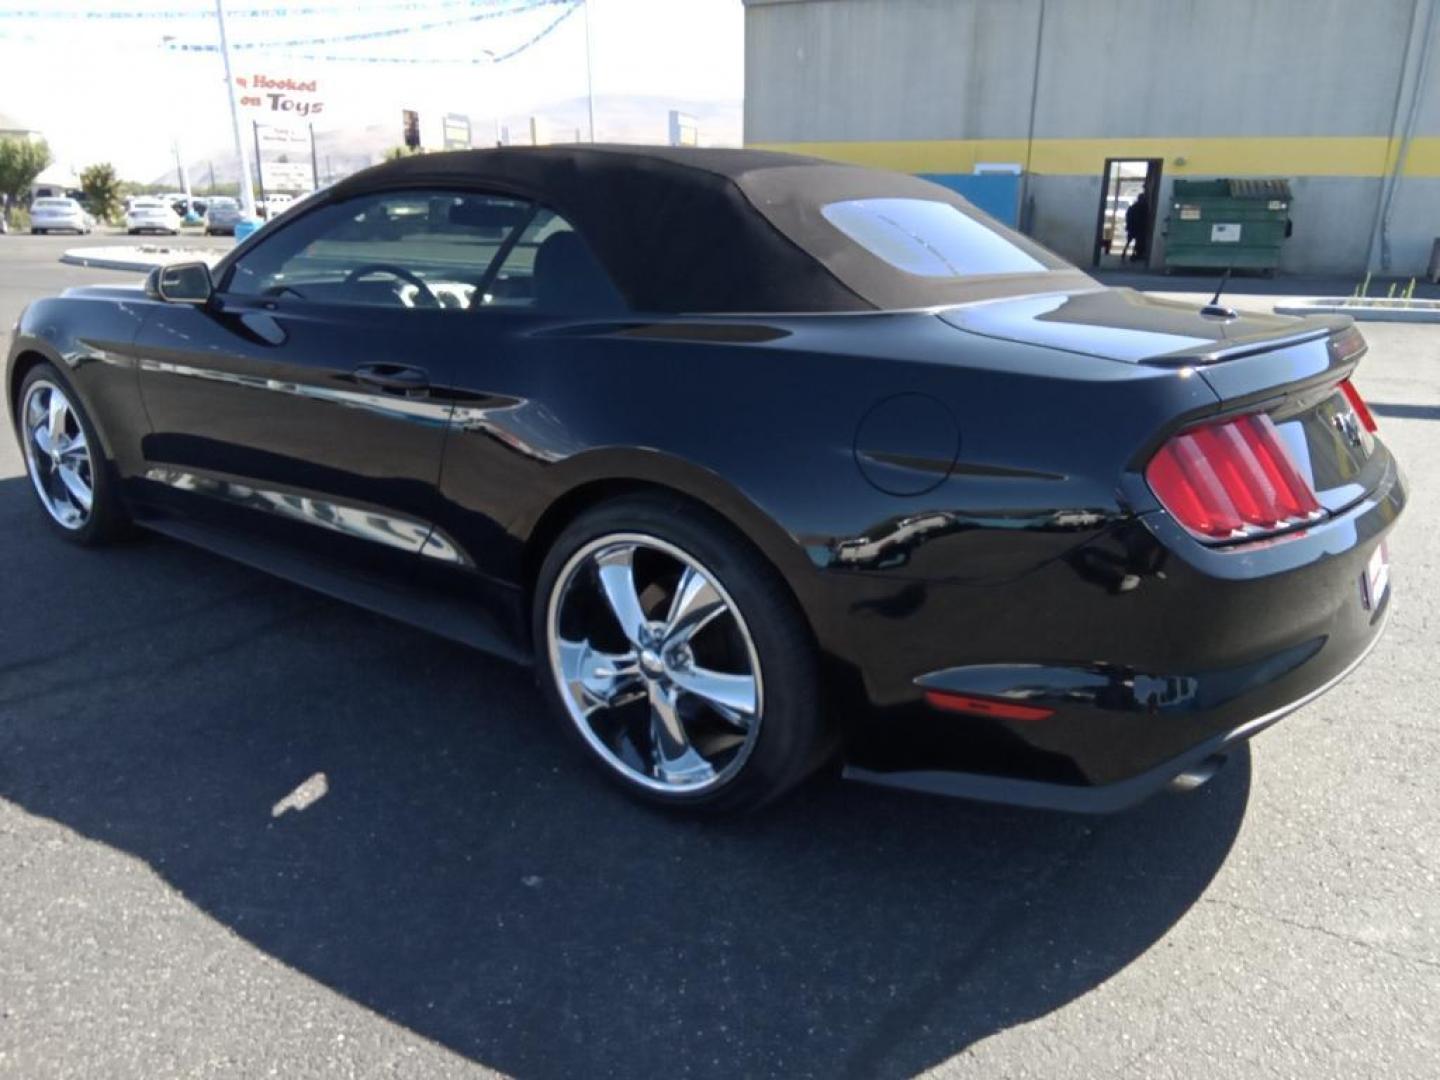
183 283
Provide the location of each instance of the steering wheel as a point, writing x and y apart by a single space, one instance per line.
430 299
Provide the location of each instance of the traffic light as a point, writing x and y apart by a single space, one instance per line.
411 121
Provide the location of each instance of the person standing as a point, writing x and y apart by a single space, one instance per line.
1137 227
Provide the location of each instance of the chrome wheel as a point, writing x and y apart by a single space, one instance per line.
57 455
654 664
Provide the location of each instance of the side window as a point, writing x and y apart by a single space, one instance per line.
412 249
550 268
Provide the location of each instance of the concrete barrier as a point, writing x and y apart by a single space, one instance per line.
143 257
1372 308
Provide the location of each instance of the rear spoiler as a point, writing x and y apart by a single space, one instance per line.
1339 328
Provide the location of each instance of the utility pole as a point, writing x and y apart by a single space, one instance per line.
247 198
184 175
259 166
589 80
314 162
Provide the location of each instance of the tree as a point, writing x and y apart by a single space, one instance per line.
102 190
395 153
21 161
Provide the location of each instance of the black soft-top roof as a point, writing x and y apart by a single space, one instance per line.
685 229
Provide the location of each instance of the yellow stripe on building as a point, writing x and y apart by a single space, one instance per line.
1362 156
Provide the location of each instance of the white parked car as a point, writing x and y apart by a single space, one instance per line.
150 214
56 214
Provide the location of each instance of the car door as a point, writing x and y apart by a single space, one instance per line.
304 404
540 338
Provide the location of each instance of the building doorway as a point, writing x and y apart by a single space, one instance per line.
1121 185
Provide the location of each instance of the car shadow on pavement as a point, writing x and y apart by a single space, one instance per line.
1405 410
460 871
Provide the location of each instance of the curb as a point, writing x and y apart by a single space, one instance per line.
131 257
1366 310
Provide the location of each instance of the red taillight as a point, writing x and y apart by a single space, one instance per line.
1231 480
1362 411
980 706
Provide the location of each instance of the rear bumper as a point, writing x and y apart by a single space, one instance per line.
1194 650
1101 798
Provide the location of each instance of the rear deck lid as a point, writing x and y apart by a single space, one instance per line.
1292 373
1125 325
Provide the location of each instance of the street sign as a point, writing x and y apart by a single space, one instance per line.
282 140
457 132
286 176
279 99
684 129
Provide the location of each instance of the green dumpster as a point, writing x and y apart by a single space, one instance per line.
1224 223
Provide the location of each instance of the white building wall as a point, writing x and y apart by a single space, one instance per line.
1314 90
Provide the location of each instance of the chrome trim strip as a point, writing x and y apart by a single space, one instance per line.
362 523
422 409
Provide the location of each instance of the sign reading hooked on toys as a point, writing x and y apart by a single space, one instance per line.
280 99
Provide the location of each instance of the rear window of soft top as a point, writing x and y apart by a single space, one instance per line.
929 238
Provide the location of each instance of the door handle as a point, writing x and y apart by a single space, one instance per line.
393 378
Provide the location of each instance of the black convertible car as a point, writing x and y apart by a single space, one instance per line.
762 461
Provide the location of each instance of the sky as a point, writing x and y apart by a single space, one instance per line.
114 90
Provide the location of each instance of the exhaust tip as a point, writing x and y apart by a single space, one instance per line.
1198 775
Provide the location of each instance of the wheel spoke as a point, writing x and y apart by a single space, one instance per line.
59 412
598 679
74 447
78 489
733 696
38 414
41 437
674 759
616 569
695 603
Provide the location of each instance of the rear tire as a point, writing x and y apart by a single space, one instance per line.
709 705
66 462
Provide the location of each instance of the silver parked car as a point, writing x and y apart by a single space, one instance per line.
221 216
55 214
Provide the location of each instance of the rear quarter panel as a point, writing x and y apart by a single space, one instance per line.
765 432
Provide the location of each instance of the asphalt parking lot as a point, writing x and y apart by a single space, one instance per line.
182 894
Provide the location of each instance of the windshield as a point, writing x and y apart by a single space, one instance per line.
54 204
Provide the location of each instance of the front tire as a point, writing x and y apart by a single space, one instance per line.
675 655
73 481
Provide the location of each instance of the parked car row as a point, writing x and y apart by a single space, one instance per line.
152 213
